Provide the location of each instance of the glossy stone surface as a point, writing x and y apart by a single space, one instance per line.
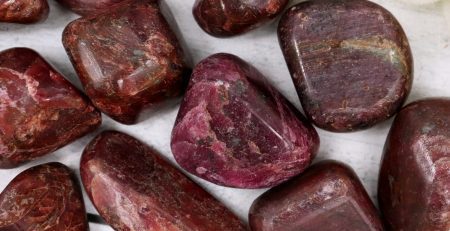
45 198
133 188
89 7
414 183
127 58
225 18
23 11
350 62
40 111
326 197
235 129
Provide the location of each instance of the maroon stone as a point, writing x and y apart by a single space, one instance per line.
235 129
89 7
127 58
43 198
414 183
350 62
133 188
40 111
23 11
233 17
326 197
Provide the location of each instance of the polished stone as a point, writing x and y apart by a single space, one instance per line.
89 7
414 183
40 111
23 11
235 129
350 62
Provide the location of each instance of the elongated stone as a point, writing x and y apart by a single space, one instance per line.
414 183
45 198
23 11
127 58
235 129
350 62
326 197
40 111
133 188
89 7
233 17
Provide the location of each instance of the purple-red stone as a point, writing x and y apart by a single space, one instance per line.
133 188
40 111
43 198
233 17
326 197
414 183
23 11
350 62
127 58
235 129
89 7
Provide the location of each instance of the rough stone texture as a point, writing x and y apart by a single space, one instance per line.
225 18
43 198
40 111
127 58
23 11
133 188
326 197
414 183
89 7
235 129
350 62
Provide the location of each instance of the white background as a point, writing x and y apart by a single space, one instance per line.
425 26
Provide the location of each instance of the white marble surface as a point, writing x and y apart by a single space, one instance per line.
425 26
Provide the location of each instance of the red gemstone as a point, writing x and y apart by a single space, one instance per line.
89 7
40 111
44 197
133 188
350 62
235 129
326 197
23 11
228 18
414 183
127 58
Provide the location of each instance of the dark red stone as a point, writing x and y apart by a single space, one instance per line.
43 198
133 188
414 183
326 197
127 58
23 11
40 111
350 62
235 129
89 7
233 17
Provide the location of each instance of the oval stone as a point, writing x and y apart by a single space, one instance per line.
234 129
40 111
45 198
128 58
326 197
233 17
414 183
350 62
23 11
88 7
133 188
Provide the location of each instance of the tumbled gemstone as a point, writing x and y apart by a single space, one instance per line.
350 62
40 111
133 188
45 197
127 58
235 129
23 11
326 197
414 183
88 7
228 18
